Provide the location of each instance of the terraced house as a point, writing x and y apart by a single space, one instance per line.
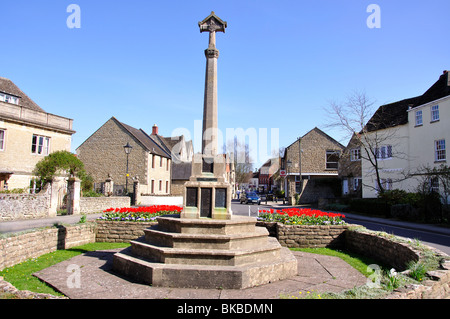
412 134
27 135
149 159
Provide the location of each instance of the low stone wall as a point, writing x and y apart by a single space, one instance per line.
19 247
315 236
89 205
120 232
23 206
392 253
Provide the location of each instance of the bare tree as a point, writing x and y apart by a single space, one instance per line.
240 155
358 118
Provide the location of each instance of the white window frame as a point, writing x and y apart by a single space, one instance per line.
355 154
356 183
435 113
2 139
419 118
345 187
9 98
42 145
434 184
332 152
439 151
383 152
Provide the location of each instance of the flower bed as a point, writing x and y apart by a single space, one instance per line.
139 214
300 216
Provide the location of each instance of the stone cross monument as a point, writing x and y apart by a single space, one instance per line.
211 24
207 193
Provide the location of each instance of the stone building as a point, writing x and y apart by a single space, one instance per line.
350 168
150 159
27 135
311 164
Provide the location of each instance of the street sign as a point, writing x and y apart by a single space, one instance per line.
283 173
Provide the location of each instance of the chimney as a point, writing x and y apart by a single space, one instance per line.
155 129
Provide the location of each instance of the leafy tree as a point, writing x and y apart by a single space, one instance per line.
62 163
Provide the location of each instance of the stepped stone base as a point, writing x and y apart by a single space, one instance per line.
206 253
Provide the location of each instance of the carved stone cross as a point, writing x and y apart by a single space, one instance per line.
212 24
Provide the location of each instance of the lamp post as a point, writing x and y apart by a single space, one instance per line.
127 148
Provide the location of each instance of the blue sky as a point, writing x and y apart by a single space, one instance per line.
280 64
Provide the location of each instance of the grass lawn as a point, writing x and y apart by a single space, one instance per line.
21 275
358 262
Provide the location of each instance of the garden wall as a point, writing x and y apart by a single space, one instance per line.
19 247
28 206
394 254
314 236
120 232
90 205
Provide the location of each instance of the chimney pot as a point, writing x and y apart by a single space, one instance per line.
155 129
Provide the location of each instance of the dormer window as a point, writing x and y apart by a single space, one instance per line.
9 98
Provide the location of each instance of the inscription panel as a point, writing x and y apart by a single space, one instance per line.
191 196
221 197
206 202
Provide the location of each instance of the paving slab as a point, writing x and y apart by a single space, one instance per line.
97 280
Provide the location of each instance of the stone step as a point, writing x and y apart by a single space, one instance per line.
236 225
221 257
157 237
194 276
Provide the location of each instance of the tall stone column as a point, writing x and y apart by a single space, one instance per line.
207 194
211 24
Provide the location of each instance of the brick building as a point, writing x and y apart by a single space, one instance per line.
311 164
27 135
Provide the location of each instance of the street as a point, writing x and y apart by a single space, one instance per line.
431 238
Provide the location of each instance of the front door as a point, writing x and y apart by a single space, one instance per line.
206 203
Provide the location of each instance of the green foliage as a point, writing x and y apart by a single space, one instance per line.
63 163
60 162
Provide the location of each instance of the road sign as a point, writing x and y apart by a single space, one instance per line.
283 173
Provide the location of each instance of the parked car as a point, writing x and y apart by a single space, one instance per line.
249 198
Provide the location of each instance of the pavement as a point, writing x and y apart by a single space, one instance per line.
90 276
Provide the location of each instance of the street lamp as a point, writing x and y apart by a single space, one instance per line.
288 166
127 148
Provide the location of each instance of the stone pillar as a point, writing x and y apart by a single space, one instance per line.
136 191
52 191
109 186
73 196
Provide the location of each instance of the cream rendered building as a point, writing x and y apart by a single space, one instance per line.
414 135
27 135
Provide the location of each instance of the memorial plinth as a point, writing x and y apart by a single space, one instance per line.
206 246
206 253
